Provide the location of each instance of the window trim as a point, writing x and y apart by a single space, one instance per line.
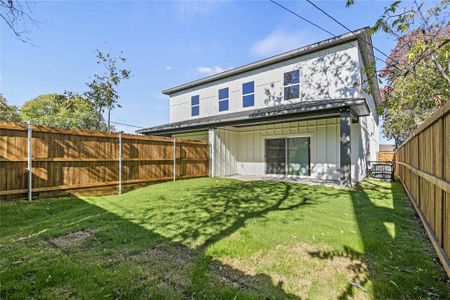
222 100
289 85
195 106
248 94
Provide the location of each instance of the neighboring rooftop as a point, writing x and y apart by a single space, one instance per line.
386 148
361 35
288 112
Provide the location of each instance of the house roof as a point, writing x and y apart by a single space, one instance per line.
361 35
280 113
386 147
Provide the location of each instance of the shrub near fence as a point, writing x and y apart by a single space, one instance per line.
73 160
423 165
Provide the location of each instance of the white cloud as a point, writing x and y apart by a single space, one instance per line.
279 41
211 70
168 68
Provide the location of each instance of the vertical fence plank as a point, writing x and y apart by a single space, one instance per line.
174 159
120 163
29 159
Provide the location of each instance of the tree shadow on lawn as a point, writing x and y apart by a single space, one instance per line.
70 248
398 258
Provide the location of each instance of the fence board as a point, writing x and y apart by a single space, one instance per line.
423 166
73 159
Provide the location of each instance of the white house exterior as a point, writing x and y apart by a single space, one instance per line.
304 113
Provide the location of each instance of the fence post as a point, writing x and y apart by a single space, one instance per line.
174 159
120 163
211 144
29 165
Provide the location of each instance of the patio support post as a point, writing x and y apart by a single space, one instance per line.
120 163
211 139
345 148
29 160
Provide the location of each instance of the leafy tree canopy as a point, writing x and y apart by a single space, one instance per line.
411 99
8 113
416 76
63 111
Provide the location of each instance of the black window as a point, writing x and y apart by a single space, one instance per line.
223 99
248 94
292 85
195 105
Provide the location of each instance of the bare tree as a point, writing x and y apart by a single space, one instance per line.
17 15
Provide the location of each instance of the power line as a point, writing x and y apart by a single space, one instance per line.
348 29
321 28
129 125
304 19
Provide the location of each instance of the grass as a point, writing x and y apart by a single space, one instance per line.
220 239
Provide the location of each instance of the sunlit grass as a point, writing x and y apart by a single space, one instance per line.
217 238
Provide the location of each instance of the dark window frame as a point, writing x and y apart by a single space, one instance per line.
224 100
195 105
291 85
285 163
248 93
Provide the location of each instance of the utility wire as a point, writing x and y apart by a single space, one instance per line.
304 19
321 28
345 27
394 63
129 125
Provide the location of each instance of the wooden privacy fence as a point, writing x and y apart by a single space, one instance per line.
73 160
423 165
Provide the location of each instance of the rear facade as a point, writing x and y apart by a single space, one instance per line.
307 113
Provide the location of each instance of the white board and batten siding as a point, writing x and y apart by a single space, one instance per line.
242 150
332 73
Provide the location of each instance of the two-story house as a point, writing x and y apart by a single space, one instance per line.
303 113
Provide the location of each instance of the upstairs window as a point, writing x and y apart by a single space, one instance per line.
248 94
223 99
291 85
195 105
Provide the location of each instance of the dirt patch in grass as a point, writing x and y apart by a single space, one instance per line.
228 275
305 269
71 240
169 264
60 292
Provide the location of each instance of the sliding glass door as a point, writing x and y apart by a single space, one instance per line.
289 156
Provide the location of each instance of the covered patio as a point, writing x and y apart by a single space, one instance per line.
318 141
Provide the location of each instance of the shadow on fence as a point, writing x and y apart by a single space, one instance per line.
74 161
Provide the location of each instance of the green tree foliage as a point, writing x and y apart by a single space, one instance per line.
411 99
416 76
8 113
102 91
63 111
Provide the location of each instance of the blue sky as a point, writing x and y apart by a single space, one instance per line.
166 43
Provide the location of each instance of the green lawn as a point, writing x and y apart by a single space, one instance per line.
218 238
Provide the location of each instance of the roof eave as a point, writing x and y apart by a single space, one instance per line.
312 110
